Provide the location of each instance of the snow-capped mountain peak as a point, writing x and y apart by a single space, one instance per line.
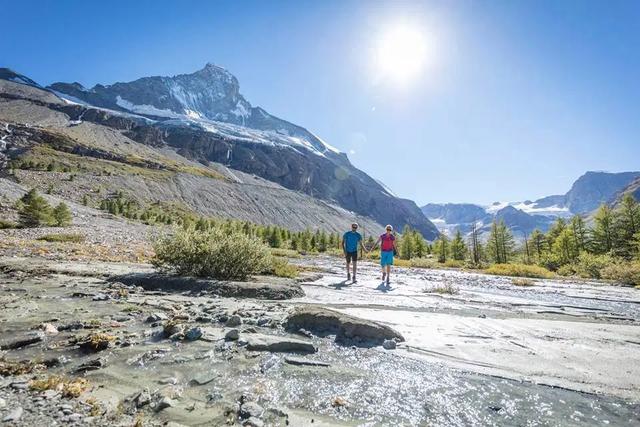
209 98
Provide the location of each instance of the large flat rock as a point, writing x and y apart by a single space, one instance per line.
323 321
260 342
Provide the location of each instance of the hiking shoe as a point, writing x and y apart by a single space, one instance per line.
388 281
383 276
355 280
348 276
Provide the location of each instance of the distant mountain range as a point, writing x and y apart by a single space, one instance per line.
586 194
202 118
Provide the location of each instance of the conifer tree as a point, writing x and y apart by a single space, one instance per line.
441 248
62 215
627 225
538 242
420 246
564 247
579 233
458 248
603 232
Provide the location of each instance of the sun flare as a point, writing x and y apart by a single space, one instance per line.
401 54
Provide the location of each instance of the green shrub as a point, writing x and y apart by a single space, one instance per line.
63 238
423 263
624 272
212 253
567 270
519 270
281 268
591 266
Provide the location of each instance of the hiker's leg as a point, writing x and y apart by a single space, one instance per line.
355 266
388 272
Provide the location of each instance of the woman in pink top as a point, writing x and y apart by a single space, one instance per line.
387 249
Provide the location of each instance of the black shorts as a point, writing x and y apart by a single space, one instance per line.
352 256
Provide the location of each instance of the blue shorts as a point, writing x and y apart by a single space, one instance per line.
386 258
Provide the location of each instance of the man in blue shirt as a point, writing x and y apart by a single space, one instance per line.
350 241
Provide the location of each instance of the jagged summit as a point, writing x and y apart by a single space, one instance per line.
211 94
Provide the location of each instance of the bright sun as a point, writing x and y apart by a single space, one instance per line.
401 54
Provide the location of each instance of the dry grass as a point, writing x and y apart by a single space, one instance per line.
97 342
21 367
522 281
68 387
445 288
519 270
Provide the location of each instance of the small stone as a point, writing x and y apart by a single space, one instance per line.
13 415
157 317
483 316
253 422
250 330
232 335
250 409
263 321
20 385
389 344
143 398
101 297
234 320
202 379
49 329
74 417
193 334
164 403
3 403
169 380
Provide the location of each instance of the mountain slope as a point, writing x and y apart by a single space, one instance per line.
205 117
292 163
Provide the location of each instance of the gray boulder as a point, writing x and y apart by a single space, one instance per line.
259 342
323 322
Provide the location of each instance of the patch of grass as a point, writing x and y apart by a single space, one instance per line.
402 262
4 224
281 268
285 253
63 238
519 270
445 288
522 281
132 309
66 386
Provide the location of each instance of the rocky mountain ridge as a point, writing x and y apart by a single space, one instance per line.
255 143
586 194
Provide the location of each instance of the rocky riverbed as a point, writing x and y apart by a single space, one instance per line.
100 343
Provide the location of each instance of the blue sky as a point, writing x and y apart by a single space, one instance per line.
519 98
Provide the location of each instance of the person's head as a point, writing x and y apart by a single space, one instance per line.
389 228
354 226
